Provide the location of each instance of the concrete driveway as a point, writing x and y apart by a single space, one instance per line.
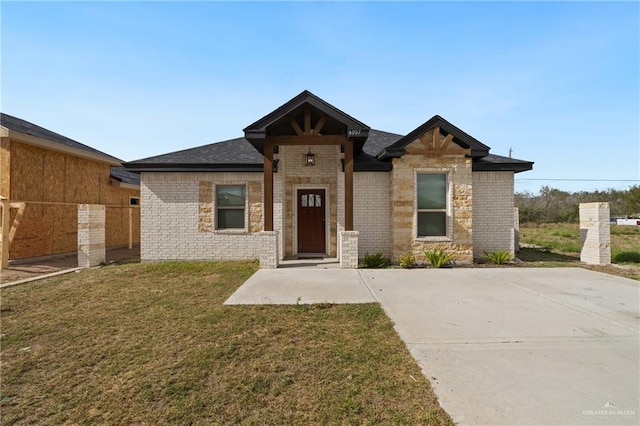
505 346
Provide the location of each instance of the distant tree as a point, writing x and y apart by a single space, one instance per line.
554 205
632 201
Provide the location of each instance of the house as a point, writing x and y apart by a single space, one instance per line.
50 174
307 179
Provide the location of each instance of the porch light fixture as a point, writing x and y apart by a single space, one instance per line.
310 159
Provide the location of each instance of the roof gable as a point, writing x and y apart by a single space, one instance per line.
305 97
461 138
282 119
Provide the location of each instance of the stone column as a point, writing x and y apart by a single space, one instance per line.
91 235
268 250
595 233
516 231
348 249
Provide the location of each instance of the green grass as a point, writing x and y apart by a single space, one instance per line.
152 344
564 238
558 244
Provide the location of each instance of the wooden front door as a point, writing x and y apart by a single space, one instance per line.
311 225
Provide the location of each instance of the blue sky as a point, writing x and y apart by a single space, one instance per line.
558 82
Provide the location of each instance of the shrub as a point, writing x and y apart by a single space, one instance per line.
626 257
439 258
407 260
498 257
376 260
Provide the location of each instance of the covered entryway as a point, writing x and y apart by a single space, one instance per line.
309 148
311 221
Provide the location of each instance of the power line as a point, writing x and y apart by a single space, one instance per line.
582 180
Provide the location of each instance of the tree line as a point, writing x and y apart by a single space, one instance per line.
552 205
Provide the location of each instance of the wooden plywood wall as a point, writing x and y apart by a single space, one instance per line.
5 166
40 175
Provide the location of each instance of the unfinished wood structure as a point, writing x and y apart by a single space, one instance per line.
49 175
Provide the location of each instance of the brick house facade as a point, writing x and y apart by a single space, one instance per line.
309 180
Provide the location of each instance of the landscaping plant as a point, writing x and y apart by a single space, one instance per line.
498 257
376 260
439 258
407 260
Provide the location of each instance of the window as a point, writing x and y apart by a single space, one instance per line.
134 201
432 204
230 205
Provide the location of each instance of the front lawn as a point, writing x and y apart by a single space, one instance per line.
152 344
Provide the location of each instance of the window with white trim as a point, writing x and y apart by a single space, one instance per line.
230 206
431 192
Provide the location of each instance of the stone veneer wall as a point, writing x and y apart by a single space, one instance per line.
404 203
493 213
372 211
178 217
595 233
293 174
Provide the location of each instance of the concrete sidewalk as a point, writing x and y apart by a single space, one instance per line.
501 346
307 285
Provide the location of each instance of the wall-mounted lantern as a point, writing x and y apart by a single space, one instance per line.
310 159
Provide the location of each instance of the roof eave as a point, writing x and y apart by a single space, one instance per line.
503 167
55 146
191 167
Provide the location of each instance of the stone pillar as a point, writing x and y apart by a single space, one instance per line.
595 236
516 231
268 250
348 249
91 235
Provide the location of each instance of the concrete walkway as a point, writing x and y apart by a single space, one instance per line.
290 286
501 346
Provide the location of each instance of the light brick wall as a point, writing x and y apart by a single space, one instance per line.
348 242
171 209
372 211
269 250
493 212
91 235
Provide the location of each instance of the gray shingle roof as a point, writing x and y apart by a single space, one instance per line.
124 176
494 162
19 125
232 151
239 152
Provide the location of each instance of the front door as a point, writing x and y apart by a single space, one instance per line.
311 226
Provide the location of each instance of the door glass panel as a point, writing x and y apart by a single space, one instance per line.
318 201
311 199
303 200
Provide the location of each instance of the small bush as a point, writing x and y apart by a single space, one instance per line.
439 258
407 260
626 257
498 257
376 260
